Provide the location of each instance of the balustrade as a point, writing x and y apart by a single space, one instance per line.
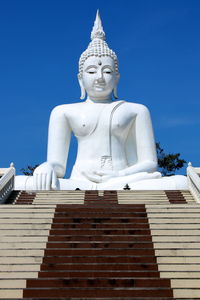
7 176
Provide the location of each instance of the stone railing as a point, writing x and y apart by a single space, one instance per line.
193 175
7 176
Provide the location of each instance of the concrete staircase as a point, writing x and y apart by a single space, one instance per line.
100 245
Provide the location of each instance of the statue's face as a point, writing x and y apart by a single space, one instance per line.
99 77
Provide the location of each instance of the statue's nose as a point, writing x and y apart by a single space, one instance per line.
100 77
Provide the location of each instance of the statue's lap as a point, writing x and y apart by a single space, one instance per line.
152 182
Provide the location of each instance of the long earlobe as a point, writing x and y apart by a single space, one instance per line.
115 93
115 88
83 92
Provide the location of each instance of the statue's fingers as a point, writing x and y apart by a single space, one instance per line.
96 179
105 178
99 173
43 181
103 173
54 181
39 182
48 182
92 177
35 182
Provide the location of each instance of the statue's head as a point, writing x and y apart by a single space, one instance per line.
98 66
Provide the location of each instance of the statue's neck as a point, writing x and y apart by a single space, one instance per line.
92 100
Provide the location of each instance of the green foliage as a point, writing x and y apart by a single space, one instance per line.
168 163
28 171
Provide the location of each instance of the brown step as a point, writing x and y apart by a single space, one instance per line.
98 282
126 212
100 201
102 267
99 226
101 220
99 251
24 197
23 202
100 232
97 292
66 207
175 197
109 238
137 206
99 274
77 245
99 259
93 214
177 202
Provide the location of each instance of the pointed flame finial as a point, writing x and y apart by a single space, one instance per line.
97 31
97 47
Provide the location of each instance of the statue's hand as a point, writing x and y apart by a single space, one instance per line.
44 177
92 177
106 174
100 175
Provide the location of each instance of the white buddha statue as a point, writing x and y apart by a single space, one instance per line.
116 143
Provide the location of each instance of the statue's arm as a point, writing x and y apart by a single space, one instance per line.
145 144
45 176
58 141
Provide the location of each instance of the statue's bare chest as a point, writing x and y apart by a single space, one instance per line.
98 117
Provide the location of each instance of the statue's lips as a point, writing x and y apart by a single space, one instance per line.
99 86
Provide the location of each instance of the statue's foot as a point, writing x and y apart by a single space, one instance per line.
118 183
146 181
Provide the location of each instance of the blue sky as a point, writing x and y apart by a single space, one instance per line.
158 46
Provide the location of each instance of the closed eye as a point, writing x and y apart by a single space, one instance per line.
107 71
91 70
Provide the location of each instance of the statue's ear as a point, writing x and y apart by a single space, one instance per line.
115 88
83 92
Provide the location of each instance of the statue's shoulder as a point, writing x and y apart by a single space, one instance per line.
66 108
137 107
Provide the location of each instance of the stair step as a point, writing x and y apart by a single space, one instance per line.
95 267
11 294
98 259
97 292
100 226
109 238
93 232
99 282
97 251
101 220
99 274
96 245
85 245
187 293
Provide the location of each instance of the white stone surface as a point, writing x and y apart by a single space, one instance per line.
193 176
